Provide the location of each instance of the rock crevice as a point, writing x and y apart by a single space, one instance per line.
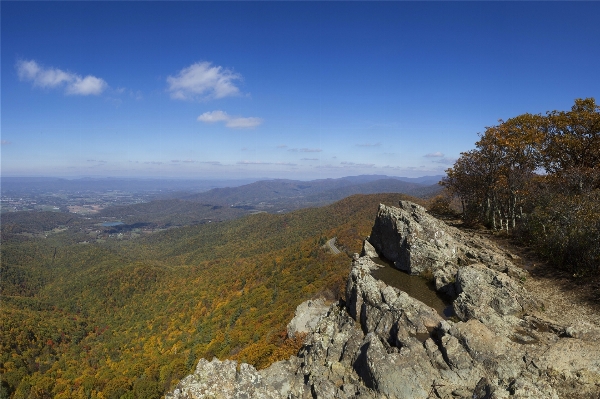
382 343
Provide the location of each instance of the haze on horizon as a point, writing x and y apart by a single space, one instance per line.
299 90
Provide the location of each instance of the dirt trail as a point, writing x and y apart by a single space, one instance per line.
568 300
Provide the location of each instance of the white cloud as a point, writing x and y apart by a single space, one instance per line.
27 70
202 80
434 155
73 83
265 163
309 159
5 142
243 122
86 86
214 116
230 121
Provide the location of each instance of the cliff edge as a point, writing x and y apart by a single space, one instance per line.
382 343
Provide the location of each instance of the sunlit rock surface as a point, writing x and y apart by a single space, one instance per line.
382 343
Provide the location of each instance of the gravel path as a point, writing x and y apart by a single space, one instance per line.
568 300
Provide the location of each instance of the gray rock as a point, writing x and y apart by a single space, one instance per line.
416 241
307 315
222 379
282 377
483 292
368 250
445 278
399 374
382 343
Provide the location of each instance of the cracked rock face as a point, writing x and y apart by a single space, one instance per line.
382 343
415 241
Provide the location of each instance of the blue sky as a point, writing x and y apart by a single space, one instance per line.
300 90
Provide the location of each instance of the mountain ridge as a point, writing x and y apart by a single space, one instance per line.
381 343
123 316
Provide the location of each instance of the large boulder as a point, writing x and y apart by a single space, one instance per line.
487 295
416 241
382 343
307 315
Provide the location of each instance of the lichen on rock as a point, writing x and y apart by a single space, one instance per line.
382 343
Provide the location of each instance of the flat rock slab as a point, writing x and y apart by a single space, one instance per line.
307 315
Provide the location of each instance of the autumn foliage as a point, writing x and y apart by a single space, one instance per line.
127 320
538 177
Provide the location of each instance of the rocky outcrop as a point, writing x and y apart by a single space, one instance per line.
382 343
415 241
307 315
368 250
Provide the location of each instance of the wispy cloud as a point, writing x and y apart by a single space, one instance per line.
239 122
133 94
439 157
445 160
178 161
230 121
369 145
72 83
362 165
265 163
203 81
305 150
309 159
5 142
215 163
282 146
329 166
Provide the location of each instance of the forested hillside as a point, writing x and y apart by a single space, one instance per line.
128 319
537 177
277 195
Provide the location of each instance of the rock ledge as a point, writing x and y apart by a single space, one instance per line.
382 343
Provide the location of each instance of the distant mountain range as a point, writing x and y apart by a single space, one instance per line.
179 203
297 193
42 184
54 184
272 196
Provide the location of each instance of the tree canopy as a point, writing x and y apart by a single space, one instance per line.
538 176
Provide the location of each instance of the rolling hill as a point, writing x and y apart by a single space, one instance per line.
124 319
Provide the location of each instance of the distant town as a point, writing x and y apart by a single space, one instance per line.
82 203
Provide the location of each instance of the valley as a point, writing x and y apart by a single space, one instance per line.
119 317
83 210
